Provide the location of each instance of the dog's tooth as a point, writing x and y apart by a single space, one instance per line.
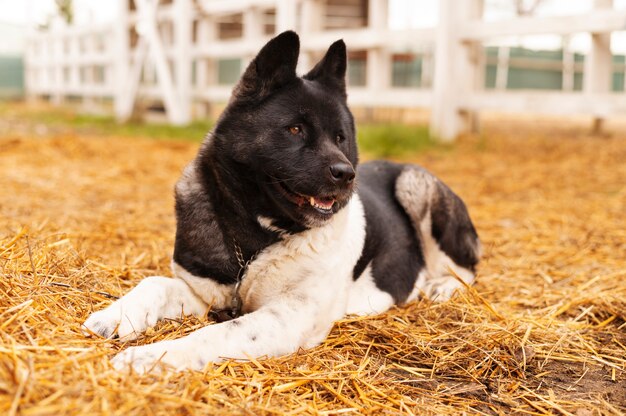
312 201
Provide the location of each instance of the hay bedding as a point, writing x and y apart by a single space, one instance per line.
85 218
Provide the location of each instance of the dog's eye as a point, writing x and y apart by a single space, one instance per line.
340 138
295 130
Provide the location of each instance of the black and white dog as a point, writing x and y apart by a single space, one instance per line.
278 231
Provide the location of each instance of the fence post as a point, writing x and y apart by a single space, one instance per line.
55 65
502 68
286 15
252 30
378 64
599 65
122 62
569 65
182 61
457 68
312 23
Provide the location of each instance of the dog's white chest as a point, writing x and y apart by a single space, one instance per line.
315 264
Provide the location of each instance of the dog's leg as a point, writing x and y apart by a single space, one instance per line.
275 329
449 241
153 299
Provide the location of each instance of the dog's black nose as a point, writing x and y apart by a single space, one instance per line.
342 173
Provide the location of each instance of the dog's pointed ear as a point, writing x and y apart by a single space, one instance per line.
272 68
331 70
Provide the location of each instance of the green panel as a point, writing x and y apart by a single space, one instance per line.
618 81
407 73
578 81
11 76
534 79
618 76
228 71
357 72
490 76
491 51
539 55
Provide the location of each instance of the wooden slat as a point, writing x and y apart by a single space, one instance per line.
547 102
391 97
595 22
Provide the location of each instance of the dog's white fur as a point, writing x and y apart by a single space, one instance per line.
292 294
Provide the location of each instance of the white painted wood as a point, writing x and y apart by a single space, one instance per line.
546 102
428 69
378 69
217 7
311 26
598 73
130 82
568 65
502 68
602 21
60 62
252 31
201 63
183 58
147 11
378 15
312 16
391 97
121 66
378 64
286 15
456 71
366 38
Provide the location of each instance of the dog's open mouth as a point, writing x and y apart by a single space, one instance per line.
322 204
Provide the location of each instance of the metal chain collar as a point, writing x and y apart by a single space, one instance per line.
236 302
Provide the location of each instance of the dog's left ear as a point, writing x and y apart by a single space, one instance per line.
331 70
273 68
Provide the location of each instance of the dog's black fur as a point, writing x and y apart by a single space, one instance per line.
283 139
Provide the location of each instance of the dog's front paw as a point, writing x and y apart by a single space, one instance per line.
132 314
126 323
153 357
127 320
104 322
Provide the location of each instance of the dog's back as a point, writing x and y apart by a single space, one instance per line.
418 235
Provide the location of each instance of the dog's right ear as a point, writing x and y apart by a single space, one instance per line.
272 68
331 70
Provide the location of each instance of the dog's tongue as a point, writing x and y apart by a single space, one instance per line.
325 203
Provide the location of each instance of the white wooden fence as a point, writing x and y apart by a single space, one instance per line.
169 50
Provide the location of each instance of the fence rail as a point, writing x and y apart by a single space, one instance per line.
172 51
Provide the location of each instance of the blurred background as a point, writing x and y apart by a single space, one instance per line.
436 63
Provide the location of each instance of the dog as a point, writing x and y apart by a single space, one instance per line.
279 234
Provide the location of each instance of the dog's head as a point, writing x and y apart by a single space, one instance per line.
293 136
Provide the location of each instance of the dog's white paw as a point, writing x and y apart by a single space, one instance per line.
127 323
132 314
442 288
153 357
